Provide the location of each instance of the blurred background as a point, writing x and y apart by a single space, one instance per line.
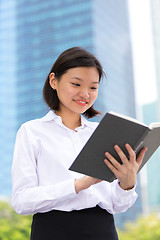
123 34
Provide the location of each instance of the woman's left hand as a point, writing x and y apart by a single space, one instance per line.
126 172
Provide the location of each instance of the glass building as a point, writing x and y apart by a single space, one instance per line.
32 34
151 113
155 15
8 88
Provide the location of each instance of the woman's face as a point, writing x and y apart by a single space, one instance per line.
77 89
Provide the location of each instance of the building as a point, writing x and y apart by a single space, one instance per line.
151 113
155 7
8 119
41 30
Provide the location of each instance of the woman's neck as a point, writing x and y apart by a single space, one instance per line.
71 121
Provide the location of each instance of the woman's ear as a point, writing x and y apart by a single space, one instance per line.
52 81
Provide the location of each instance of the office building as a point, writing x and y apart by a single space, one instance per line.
151 113
155 8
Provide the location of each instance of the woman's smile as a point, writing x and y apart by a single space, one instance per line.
81 102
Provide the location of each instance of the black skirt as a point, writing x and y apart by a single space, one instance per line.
87 224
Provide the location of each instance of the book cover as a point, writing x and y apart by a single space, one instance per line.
114 129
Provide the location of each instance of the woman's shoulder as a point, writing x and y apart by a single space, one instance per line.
31 123
28 128
35 123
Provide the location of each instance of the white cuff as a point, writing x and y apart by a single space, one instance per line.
123 195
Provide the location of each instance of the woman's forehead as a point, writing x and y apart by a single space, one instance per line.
82 73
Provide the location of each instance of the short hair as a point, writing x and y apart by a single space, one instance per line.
70 58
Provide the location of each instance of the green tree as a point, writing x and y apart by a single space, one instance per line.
145 228
12 225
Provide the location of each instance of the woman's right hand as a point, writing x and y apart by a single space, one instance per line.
85 182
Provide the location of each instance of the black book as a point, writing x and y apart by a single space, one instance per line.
115 129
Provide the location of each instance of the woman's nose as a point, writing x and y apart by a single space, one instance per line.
84 93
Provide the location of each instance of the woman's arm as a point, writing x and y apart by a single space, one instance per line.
28 196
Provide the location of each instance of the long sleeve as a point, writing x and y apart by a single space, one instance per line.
122 199
27 196
111 196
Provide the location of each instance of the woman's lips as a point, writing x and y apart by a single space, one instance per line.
81 102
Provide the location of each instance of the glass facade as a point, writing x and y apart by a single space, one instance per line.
151 113
155 8
41 30
7 91
152 167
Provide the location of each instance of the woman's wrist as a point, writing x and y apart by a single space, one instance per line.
126 188
78 185
84 183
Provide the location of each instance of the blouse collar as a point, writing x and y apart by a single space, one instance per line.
51 116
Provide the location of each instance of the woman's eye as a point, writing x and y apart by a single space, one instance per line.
94 88
76 84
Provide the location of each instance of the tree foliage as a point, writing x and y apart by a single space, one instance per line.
12 225
145 228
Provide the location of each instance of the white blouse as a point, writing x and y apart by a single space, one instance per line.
44 150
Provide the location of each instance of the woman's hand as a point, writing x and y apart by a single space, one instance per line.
84 183
127 172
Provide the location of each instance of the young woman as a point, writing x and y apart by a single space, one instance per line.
68 205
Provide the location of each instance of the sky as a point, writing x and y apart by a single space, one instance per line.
143 52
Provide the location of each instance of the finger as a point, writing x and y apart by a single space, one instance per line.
141 155
111 167
132 154
114 162
121 154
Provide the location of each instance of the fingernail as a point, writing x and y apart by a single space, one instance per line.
127 145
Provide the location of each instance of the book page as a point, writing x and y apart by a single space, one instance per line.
128 118
154 125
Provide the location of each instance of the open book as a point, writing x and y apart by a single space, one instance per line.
115 129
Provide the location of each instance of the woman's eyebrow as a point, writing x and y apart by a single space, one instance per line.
80 79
